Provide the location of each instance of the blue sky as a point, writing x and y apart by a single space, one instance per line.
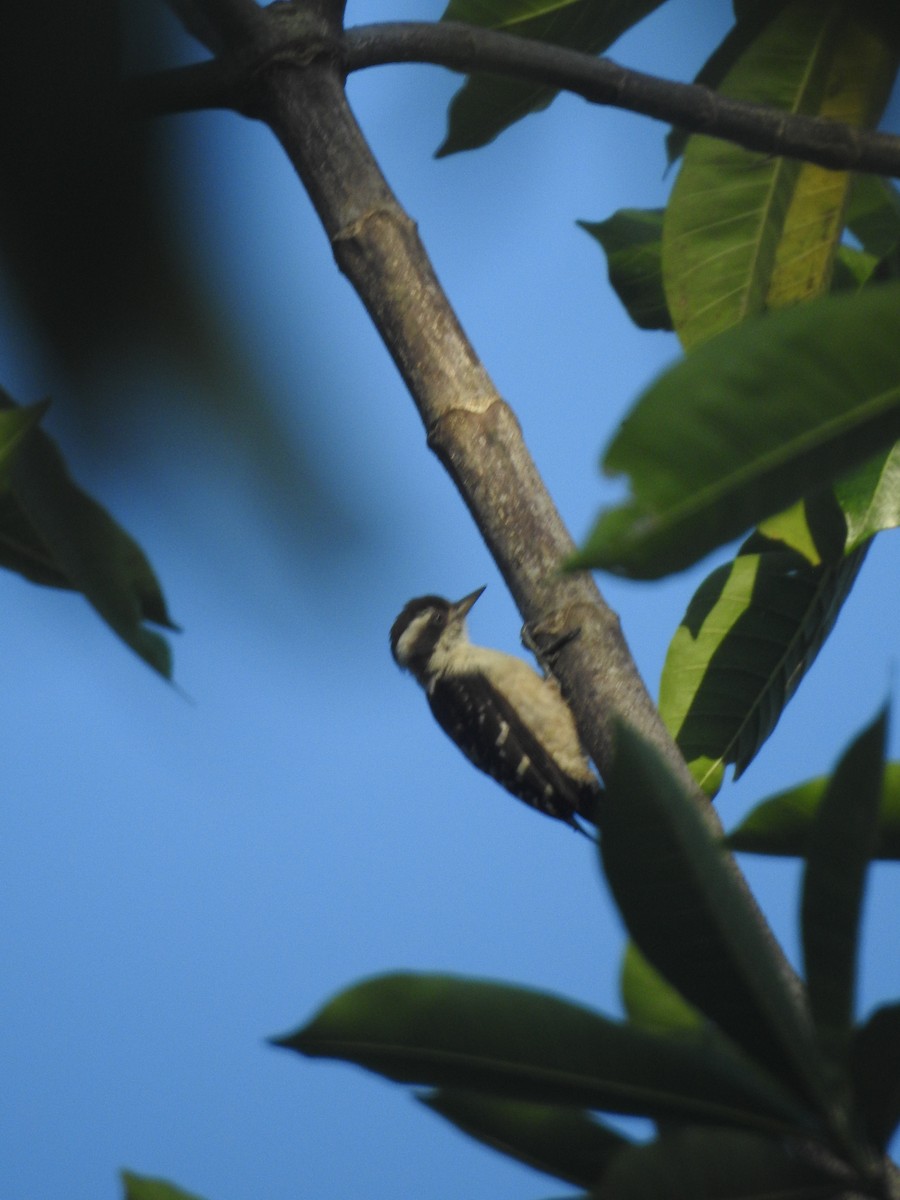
183 873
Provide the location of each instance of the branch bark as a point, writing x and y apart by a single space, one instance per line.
300 94
467 48
691 106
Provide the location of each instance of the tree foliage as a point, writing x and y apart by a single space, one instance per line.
781 278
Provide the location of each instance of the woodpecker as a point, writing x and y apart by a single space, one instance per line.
512 723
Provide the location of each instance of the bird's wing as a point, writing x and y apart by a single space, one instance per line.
486 727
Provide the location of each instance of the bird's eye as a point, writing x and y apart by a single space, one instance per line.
438 619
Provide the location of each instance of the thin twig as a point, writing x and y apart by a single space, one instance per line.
466 48
213 83
602 81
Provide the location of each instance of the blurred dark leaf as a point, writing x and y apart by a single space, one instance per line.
714 1164
781 824
53 533
875 1060
839 848
524 1045
649 1000
486 104
81 226
693 922
566 1142
873 214
15 424
111 292
873 217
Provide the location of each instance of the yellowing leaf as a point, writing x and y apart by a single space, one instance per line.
745 231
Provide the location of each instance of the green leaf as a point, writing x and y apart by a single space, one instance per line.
875 1060
873 214
751 632
854 89
815 527
486 104
687 913
520 1044
15 425
781 824
746 425
744 231
142 1187
839 848
873 217
650 1001
53 533
870 497
632 239
565 1142
715 1164
747 28
853 269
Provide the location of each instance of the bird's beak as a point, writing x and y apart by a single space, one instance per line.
462 607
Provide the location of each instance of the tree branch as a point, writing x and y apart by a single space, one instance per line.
466 48
214 83
601 81
469 427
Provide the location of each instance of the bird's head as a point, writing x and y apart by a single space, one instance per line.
427 627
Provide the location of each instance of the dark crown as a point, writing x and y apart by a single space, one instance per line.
440 609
